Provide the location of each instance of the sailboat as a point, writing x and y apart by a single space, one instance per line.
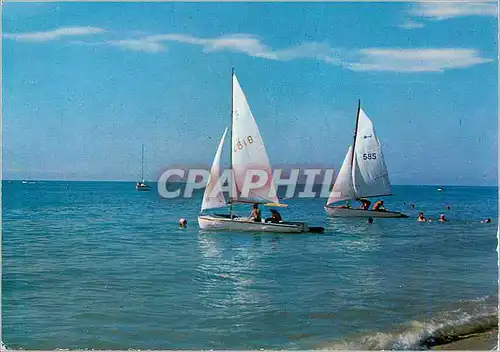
141 185
247 152
363 174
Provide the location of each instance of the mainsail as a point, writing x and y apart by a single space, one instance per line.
363 174
217 200
370 175
248 151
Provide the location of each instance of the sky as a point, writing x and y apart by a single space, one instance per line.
86 84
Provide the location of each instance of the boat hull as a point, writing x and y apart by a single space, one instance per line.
208 222
142 187
339 212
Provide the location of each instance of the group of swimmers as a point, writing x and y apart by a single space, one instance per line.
421 218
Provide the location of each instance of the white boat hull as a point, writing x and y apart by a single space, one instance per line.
208 222
339 212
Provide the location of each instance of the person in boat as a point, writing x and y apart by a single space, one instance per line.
255 214
421 217
347 205
442 218
379 206
365 203
275 216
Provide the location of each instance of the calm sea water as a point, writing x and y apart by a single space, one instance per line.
100 265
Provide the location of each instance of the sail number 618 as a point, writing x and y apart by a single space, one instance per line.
242 144
369 156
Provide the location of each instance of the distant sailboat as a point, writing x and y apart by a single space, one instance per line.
141 185
247 152
363 174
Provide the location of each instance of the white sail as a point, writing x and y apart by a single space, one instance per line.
343 188
370 175
218 200
248 151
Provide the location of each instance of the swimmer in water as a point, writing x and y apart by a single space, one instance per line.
182 223
421 217
442 218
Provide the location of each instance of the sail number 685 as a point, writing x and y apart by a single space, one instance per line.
369 156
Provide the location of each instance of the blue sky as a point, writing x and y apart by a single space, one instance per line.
85 84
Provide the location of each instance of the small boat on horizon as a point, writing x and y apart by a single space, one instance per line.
141 185
363 174
247 149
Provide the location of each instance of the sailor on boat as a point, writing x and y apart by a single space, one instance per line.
347 205
255 214
365 203
379 206
275 216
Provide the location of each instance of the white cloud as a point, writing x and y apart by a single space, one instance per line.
411 25
447 10
371 59
138 45
313 50
53 34
415 60
245 43
241 42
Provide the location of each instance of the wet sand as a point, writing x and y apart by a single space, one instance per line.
485 341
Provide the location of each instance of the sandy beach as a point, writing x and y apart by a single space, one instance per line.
485 341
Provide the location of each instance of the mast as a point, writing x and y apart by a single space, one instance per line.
231 150
142 164
354 140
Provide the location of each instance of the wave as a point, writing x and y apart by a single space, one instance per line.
422 335
465 319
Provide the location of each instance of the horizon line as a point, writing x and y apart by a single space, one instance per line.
184 182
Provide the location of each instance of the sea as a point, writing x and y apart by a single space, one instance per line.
99 265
